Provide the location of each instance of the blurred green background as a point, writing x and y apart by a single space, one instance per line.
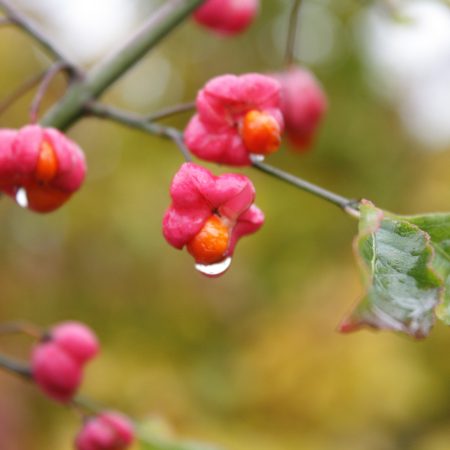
250 361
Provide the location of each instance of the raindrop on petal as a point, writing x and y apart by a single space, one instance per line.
22 198
214 270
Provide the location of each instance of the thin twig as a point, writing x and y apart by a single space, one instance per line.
19 19
170 111
48 78
26 86
348 205
16 367
292 32
140 122
21 327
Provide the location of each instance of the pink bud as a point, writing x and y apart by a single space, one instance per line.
76 339
55 371
43 162
227 17
303 104
107 431
214 133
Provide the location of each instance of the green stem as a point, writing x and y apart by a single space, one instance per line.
348 205
139 122
71 106
171 111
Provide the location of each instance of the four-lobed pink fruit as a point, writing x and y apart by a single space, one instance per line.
43 162
107 431
227 17
303 104
57 361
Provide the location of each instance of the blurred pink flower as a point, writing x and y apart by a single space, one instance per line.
303 104
227 17
107 431
214 133
57 360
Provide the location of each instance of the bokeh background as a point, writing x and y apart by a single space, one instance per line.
250 361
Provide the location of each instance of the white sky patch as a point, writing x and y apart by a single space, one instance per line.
410 64
85 29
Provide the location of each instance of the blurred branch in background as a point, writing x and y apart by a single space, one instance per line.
16 17
158 25
26 86
292 32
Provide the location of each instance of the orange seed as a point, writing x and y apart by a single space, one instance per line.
260 132
210 244
47 163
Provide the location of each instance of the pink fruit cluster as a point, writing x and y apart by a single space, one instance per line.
57 360
106 431
238 118
197 196
227 17
43 162
216 132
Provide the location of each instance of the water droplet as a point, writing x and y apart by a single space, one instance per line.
256 158
22 198
214 270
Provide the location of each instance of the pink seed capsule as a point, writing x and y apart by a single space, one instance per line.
227 17
76 339
55 371
303 104
40 167
107 431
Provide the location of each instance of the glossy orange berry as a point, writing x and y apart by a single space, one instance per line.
43 198
47 164
260 133
210 244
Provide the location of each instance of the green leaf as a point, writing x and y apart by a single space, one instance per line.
403 276
438 228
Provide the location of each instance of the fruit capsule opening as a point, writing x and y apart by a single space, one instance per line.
260 132
210 244
47 163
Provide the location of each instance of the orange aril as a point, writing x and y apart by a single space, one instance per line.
47 163
44 198
210 244
260 132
